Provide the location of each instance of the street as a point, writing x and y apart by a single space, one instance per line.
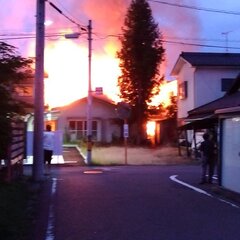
133 202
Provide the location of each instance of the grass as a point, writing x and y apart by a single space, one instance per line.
137 156
16 212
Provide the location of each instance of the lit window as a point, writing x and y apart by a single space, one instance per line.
182 90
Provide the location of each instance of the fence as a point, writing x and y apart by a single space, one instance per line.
13 167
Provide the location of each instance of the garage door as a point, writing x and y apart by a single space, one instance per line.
231 154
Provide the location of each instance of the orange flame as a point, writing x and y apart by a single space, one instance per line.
66 63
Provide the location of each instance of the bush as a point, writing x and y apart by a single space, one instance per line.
14 217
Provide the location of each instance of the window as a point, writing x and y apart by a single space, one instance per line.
226 83
71 125
79 128
182 90
94 129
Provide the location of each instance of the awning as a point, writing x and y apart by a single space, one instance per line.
199 123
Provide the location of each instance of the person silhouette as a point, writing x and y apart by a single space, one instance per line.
207 150
48 146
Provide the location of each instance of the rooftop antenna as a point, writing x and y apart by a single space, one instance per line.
226 38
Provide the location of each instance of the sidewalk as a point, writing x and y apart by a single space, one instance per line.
213 189
70 155
219 191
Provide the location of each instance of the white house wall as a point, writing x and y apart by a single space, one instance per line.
207 86
203 86
186 74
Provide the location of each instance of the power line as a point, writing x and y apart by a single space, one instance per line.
30 36
177 42
101 36
68 18
166 40
106 36
200 45
196 8
66 10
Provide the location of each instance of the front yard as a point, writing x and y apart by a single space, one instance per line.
115 155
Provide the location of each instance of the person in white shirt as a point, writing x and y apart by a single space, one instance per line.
48 145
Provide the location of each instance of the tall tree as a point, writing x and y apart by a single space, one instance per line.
140 57
13 69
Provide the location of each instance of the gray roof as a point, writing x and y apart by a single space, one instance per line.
211 59
228 101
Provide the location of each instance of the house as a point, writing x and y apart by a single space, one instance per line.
202 78
222 114
71 120
70 125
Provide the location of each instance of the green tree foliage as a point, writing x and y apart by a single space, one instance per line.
13 70
140 57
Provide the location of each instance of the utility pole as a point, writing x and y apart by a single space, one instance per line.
89 99
38 163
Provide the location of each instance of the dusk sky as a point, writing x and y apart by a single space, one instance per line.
66 60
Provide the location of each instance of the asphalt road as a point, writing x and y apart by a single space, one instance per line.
128 203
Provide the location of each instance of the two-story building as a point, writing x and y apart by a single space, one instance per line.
209 99
203 77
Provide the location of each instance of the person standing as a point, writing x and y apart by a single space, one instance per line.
207 150
48 146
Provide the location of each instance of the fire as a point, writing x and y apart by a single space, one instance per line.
166 90
151 126
66 63
67 70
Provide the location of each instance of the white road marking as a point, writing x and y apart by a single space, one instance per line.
174 178
51 217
